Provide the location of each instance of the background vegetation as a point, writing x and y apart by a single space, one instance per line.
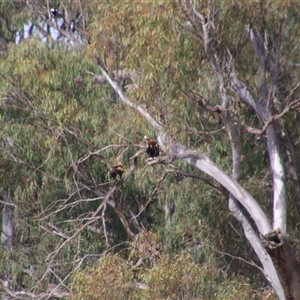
62 128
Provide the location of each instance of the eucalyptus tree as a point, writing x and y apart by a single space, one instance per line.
260 41
215 82
265 37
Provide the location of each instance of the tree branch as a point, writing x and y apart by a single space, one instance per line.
198 159
123 97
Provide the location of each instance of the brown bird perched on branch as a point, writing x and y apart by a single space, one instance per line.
118 169
153 148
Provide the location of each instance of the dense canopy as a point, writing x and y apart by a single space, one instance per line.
208 207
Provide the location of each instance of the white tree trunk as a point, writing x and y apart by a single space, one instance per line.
279 193
276 164
203 163
7 234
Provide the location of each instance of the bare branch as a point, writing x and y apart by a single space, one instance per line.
239 258
122 75
292 106
200 100
92 219
124 98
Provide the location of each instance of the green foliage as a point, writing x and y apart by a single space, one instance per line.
106 281
60 132
48 122
172 277
14 16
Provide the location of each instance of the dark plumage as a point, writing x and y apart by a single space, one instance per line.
55 12
153 148
118 169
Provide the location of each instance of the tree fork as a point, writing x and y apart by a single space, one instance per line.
285 262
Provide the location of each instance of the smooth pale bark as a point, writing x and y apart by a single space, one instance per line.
269 270
278 174
235 208
267 64
7 233
268 61
234 137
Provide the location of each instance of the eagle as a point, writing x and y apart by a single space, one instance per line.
118 169
153 148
